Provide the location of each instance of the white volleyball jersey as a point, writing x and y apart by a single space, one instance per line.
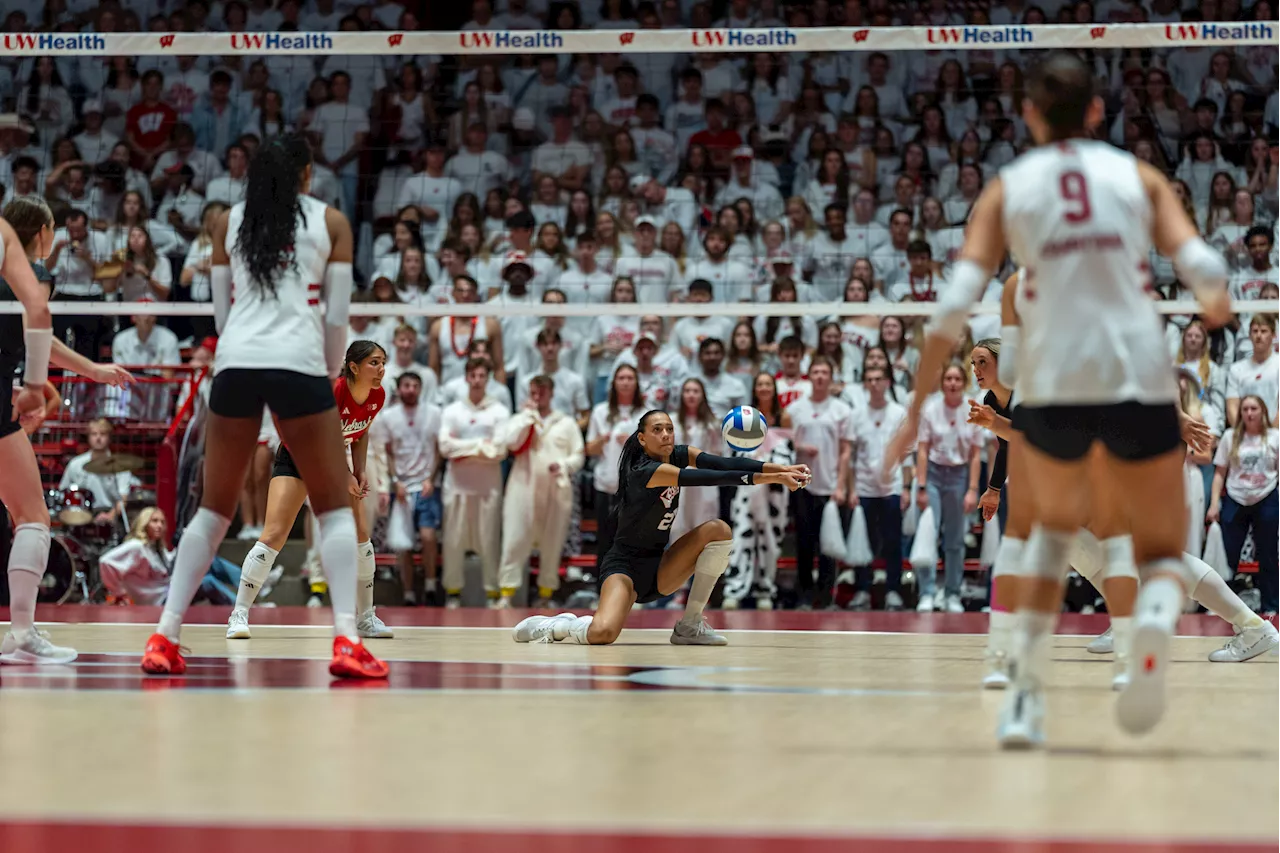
1078 218
284 330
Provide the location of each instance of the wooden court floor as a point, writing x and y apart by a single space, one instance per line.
810 732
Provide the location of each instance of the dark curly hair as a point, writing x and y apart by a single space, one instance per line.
272 208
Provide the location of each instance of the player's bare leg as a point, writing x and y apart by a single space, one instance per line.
285 498
1007 577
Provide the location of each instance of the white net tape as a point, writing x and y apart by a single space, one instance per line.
499 308
780 39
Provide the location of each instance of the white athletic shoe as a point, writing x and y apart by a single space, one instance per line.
729 604
315 601
32 647
273 578
892 600
543 629
1120 680
453 602
764 603
861 601
940 601
1141 702
502 602
1247 644
997 677
370 627
1103 644
925 604
238 624
1022 719
697 634
954 605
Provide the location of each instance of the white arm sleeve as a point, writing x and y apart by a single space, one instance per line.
968 281
220 286
338 281
1200 266
1010 343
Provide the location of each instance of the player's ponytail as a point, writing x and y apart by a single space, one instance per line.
632 456
272 208
356 354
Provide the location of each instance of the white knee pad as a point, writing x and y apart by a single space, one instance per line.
1048 554
30 549
1193 571
1009 561
209 525
1118 557
1087 557
714 558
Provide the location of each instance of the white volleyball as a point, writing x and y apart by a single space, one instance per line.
744 429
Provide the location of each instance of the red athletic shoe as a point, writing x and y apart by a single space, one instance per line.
162 657
353 660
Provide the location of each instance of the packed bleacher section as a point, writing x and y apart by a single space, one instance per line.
640 178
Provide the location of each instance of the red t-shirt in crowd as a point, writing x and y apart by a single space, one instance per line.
723 141
150 124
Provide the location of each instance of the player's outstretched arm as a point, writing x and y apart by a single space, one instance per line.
712 462
670 475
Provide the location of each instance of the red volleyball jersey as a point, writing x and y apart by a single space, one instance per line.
357 417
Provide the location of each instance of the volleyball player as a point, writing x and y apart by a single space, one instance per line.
360 397
639 566
1097 404
287 253
26 231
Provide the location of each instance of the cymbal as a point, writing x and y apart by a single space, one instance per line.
118 463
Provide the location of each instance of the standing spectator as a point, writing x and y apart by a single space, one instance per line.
479 169
183 151
947 466
742 183
719 139
473 485
547 449
1247 282
94 142
1246 464
148 124
822 424
76 254
612 421
433 193
343 127
216 118
696 426
569 391
688 333
655 273
731 279
882 491
404 360
181 205
45 101
144 273
447 357
562 156
410 431
831 254
1259 374
723 390
229 188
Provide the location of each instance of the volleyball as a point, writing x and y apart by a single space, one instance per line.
744 429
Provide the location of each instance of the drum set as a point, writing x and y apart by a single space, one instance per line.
80 539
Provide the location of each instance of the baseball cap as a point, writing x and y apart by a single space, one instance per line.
92 105
645 336
639 181
646 220
523 119
210 343
783 257
744 152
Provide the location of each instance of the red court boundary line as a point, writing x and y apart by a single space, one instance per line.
90 837
904 622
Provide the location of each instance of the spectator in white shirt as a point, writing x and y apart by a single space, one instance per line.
563 157
182 150
1258 374
830 255
765 198
144 273
198 263
229 188
655 273
109 490
181 206
94 142
479 169
1247 283
922 283
433 193
343 127
688 333
890 260
732 280
723 390
146 343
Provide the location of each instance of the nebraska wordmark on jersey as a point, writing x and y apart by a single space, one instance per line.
1077 216
284 330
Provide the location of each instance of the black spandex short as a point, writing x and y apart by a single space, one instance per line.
8 426
640 566
242 393
1130 431
282 465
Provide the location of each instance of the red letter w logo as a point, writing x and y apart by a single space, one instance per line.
395 39
1181 33
1097 33
627 38
19 41
166 40
708 38
942 35
475 39
861 35
246 41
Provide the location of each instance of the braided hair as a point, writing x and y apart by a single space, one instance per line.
272 209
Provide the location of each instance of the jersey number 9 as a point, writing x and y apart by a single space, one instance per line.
1075 191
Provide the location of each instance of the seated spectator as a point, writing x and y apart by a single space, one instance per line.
570 393
764 197
108 490
216 119
182 151
136 571
388 248
922 282
44 100
432 193
144 272
562 157
268 121
688 333
181 205
125 177
475 166
723 390
611 334
69 183
229 188
94 141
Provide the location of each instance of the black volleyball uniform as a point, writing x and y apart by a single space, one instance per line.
645 517
13 350
999 466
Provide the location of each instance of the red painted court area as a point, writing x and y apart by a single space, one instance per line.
108 838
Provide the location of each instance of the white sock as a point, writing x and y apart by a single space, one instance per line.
366 568
1000 631
338 559
253 573
578 630
429 585
196 549
1033 647
1121 636
1212 591
28 559
710 565
1160 599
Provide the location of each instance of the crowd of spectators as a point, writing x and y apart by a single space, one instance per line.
632 178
